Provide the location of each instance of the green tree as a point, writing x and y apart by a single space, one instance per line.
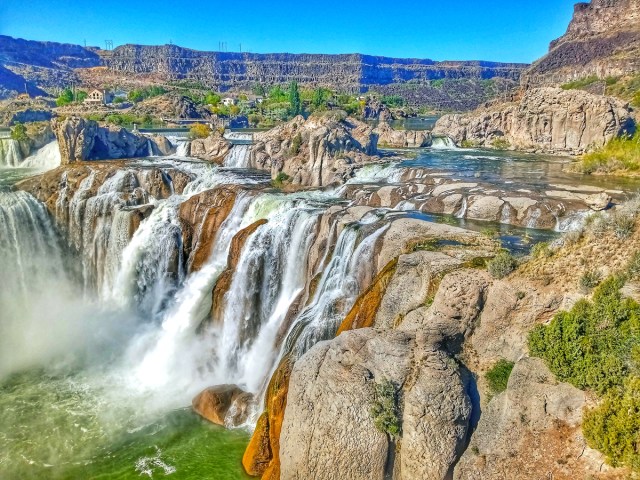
259 90
320 97
65 97
277 95
212 99
19 132
294 99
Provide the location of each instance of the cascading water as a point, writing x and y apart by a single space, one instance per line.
238 157
46 158
10 154
443 143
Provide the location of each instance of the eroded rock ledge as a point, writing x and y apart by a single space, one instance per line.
544 120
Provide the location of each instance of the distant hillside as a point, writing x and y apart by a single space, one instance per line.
444 85
603 40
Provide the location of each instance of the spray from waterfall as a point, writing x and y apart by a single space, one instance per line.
46 158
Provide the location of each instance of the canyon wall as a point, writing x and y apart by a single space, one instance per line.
603 39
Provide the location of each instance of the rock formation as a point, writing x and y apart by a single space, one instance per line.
391 138
213 149
80 139
603 39
319 151
549 120
225 405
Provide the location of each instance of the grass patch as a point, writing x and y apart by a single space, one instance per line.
580 83
498 376
621 154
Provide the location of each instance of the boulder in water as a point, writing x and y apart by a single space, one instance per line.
226 405
389 137
81 139
213 149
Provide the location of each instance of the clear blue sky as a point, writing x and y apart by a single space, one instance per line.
501 30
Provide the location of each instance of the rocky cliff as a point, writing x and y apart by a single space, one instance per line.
47 65
319 151
603 39
549 120
80 139
40 65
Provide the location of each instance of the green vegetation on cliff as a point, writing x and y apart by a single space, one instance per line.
498 376
596 346
621 155
384 409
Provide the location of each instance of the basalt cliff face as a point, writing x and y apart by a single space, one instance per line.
547 120
49 65
603 39
353 72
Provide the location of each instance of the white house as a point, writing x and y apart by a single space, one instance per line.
228 101
99 96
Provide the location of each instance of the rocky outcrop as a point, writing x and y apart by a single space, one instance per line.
80 140
536 419
225 405
549 120
171 106
342 374
319 151
603 39
201 217
213 149
390 138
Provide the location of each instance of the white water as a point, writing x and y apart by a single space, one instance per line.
10 155
443 143
238 157
46 158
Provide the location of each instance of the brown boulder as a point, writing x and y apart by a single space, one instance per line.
226 405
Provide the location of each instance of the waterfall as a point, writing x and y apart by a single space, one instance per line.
238 157
443 143
463 210
182 148
29 251
10 154
271 273
46 158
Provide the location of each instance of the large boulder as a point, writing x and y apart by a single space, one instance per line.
80 139
332 390
213 149
391 138
319 151
533 428
226 405
550 120
76 138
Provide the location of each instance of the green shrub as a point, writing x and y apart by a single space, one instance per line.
65 97
502 265
498 376
620 154
541 250
590 346
19 132
500 144
590 280
613 427
199 130
384 409
280 180
623 225
296 143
